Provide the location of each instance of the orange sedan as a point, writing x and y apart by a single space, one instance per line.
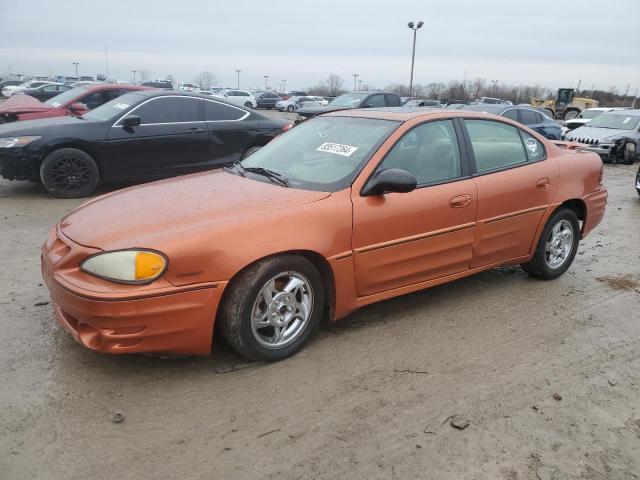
343 210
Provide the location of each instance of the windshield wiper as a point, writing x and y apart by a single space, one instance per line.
270 174
265 172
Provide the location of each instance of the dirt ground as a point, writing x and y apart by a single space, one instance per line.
547 375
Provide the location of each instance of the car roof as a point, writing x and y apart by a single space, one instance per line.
94 87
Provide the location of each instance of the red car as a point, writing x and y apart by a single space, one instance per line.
76 101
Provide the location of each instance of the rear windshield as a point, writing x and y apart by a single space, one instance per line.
615 121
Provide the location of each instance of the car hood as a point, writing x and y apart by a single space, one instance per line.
23 104
45 126
162 213
594 133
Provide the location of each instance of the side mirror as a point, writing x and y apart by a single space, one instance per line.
390 180
78 107
131 121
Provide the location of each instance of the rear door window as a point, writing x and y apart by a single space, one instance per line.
496 145
217 112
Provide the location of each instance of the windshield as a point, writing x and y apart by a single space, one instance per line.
589 114
615 121
66 97
324 153
114 108
348 100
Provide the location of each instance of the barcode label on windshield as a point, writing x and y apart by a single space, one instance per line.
344 150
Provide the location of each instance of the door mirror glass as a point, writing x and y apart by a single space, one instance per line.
390 180
131 121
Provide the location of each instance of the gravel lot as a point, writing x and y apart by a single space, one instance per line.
372 396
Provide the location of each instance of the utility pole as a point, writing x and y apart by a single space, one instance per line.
134 74
75 64
355 82
106 61
266 79
284 85
237 70
415 28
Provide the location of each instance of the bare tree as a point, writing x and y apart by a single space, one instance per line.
434 90
334 84
144 74
205 79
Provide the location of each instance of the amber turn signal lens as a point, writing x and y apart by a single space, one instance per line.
148 265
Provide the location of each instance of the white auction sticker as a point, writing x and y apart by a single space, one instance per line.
121 106
338 149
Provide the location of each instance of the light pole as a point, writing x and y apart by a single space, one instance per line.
75 64
415 27
134 74
355 82
237 70
284 85
266 79
495 85
359 84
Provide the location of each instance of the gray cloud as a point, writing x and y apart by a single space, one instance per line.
546 42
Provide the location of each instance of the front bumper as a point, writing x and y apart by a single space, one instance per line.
15 164
168 320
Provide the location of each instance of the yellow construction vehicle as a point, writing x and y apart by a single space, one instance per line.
565 105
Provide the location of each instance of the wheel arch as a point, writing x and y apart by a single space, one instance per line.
71 144
316 259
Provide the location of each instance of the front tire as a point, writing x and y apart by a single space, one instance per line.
69 173
629 153
248 104
290 108
273 308
557 246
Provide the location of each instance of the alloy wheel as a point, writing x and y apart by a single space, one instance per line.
559 244
70 174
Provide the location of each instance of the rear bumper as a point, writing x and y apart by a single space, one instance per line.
596 203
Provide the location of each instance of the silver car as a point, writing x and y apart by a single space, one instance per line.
614 135
293 103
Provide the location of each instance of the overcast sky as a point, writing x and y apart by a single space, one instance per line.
552 43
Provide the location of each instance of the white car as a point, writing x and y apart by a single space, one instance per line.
10 90
189 87
241 98
585 117
320 100
292 104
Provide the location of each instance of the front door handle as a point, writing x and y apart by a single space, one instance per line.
195 130
460 201
543 183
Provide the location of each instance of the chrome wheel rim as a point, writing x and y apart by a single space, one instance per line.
559 244
282 310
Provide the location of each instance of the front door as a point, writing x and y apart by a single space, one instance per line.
171 140
401 239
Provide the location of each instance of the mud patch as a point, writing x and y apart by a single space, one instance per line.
621 282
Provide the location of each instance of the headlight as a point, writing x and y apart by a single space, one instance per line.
126 266
9 142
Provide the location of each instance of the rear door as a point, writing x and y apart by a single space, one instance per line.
515 184
172 139
230 132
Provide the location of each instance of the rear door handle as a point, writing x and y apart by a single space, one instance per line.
542 183
460 201
195 130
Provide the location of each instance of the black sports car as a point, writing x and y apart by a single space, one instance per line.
46 91
142 135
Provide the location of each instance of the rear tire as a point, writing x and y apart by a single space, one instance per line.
248 104
69 173
557 246
290 108
273 308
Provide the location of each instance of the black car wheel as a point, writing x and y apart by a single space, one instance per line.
248 104
290 108
69 173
